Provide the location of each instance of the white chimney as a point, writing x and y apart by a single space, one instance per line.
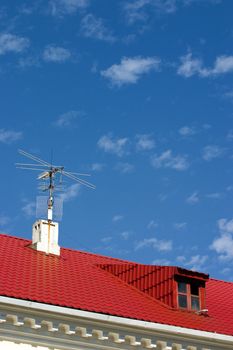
45 237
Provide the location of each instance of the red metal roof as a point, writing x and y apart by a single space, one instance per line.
76 280
156 281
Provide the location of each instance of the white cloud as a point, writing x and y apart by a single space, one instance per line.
161 262
223 245
30 61
12 43
162 197
206 126
187 131
67 7
180 258
160 245
195 262
144 142
225 225
229 95
194 66
92 27
230 132
190 66
56 54
226 270
67 119
168 160
135 10
106 239
214 195
130 69
139 10
165 6
4 220
190 2
125 235
211 152
97 167
124 167
115 146
193 198
223 64
152 225
117 218
180 225
10 136
28 9
128 39
29 209
71 192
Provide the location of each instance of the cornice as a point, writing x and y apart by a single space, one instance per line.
46 334
71 330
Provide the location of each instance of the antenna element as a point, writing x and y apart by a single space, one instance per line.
48 172
45 232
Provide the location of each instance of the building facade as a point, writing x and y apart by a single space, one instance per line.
79 300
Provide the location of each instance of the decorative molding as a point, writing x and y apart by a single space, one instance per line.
58 327
46 333
93 317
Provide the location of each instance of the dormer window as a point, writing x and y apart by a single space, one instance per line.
188 295
174 286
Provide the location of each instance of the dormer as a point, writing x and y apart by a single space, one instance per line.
189 290
174 286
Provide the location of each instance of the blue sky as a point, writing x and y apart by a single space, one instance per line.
139 94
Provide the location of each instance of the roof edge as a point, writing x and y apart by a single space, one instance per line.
127 322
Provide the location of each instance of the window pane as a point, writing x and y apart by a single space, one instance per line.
182 301
182 287
195 303
194 289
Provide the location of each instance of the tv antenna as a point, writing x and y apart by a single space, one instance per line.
49 172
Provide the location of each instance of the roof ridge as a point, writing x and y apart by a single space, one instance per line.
100 255
70 249
122 261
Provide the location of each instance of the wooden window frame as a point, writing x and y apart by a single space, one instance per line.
200 296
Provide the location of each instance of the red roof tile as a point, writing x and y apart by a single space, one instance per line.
156 281
75 280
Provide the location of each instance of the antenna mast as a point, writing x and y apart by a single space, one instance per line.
49 173
49 242
50 199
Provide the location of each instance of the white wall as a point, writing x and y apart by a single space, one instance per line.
7 345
